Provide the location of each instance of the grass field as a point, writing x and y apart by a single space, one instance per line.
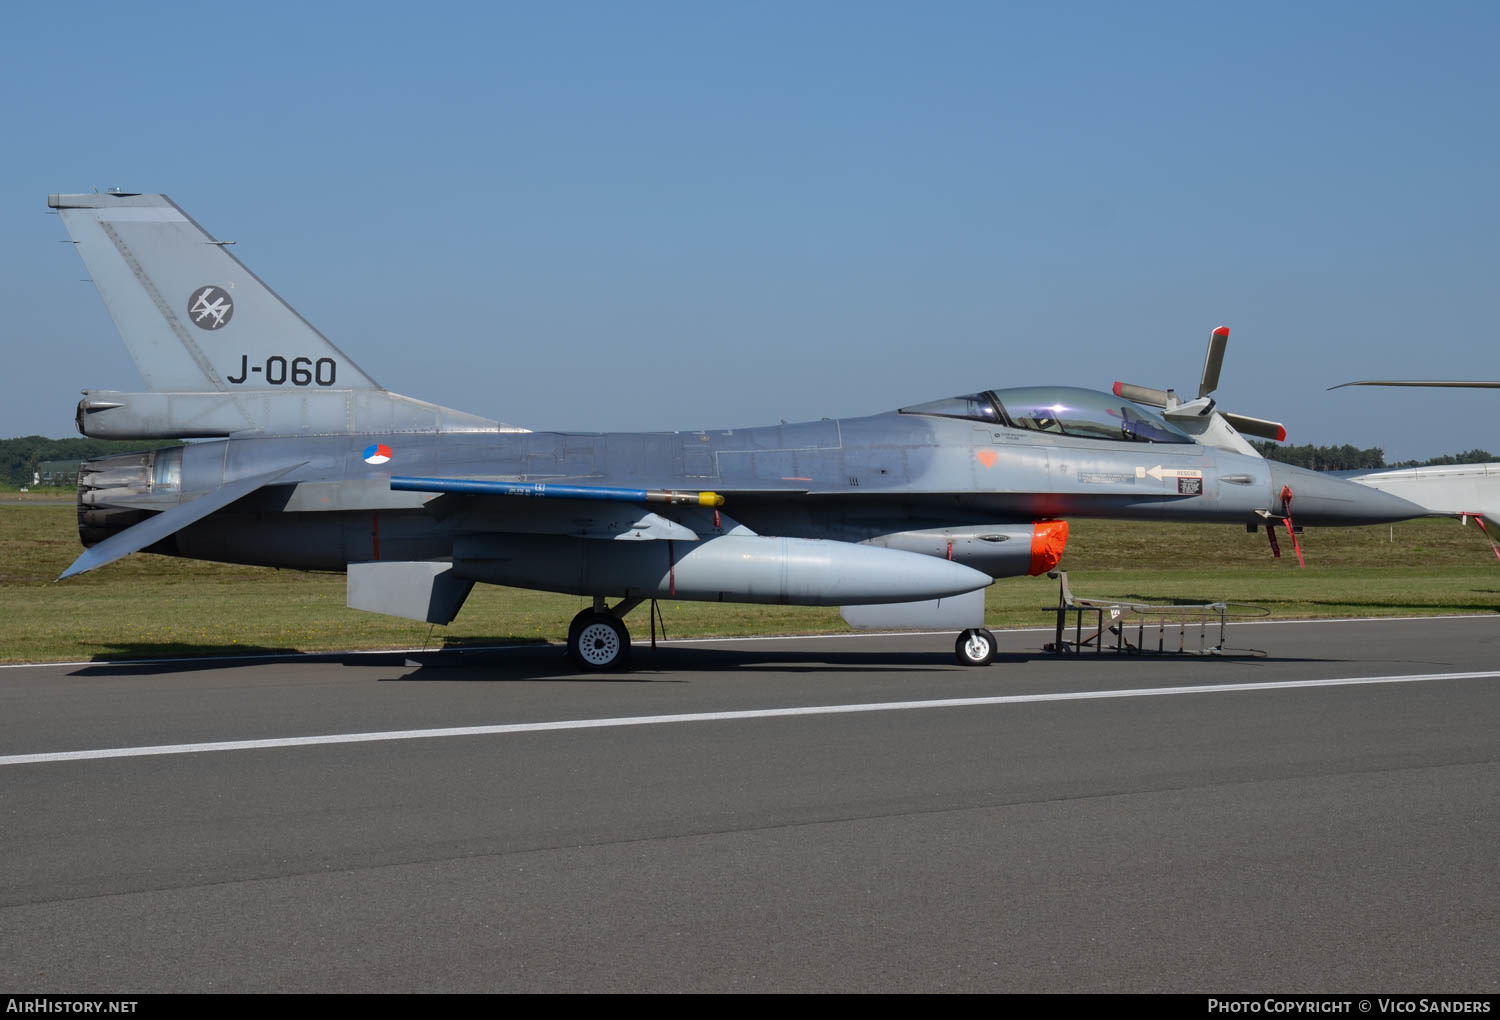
146 606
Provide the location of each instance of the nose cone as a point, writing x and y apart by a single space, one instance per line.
1322 499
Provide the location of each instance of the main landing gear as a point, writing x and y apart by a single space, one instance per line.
975 647
597 638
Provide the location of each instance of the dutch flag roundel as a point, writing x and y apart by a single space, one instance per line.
377 453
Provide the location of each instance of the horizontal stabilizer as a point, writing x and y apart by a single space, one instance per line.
163 525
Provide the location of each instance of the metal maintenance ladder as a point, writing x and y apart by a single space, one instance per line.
1169 625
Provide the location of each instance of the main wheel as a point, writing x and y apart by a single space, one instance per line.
598 641
975 648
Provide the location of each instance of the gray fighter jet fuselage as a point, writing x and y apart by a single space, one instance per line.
872 479
304 462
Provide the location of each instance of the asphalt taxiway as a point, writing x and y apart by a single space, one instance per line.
799 814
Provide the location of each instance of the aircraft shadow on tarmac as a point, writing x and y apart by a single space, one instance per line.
667 665
548 662
128 659
660 665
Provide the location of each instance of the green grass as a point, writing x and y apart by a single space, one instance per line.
148 605
39 493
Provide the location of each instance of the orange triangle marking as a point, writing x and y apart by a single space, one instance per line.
987 457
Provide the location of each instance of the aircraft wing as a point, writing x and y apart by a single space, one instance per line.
154 529
634 520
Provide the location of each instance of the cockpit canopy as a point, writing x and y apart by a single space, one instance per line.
1061 410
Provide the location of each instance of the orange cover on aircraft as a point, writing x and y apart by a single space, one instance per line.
1048 540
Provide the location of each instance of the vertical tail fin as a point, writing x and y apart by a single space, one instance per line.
195 319
222 353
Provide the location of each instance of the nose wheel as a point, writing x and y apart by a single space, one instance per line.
598 641
975 648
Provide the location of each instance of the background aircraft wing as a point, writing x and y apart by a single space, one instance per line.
1451 383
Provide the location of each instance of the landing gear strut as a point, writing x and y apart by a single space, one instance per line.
975 647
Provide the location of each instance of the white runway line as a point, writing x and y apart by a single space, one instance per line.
760 713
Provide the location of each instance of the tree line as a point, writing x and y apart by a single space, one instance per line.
1350 458
20 456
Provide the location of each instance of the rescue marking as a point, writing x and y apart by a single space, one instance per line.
691 717
987 457
1160 472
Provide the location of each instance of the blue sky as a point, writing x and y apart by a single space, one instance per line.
656 216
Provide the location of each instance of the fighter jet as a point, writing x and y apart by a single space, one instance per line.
300 459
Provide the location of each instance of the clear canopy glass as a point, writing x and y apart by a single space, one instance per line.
1061 410
977 406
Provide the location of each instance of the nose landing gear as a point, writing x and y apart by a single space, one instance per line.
975 647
